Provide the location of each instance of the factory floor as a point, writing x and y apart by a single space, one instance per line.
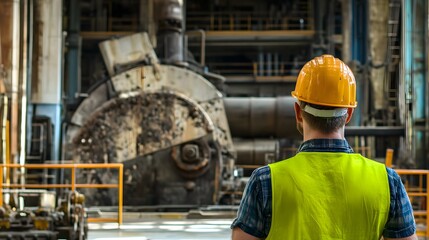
169 226
163 229
201 229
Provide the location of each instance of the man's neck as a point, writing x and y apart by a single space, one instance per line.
314 134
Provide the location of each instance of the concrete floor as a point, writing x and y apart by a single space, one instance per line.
162 229
167 226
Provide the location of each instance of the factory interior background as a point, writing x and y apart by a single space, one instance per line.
143 119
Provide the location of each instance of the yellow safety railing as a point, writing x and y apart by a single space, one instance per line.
417 192
73 185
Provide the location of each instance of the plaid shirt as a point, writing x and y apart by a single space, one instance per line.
254 213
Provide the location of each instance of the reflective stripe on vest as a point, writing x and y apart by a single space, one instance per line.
328 196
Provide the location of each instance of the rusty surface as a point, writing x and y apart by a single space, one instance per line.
378 40
125 128
165 142
47 46
166 124
125 52
37 46
6 18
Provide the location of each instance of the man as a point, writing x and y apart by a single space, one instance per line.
326 191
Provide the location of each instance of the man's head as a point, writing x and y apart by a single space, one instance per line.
326 93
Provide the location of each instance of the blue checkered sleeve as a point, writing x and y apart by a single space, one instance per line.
254 213
400 223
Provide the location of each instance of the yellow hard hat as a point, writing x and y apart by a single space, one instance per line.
326 81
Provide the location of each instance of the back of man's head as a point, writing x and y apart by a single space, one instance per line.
325 88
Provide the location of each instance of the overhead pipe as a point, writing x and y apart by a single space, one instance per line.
275 117
261 117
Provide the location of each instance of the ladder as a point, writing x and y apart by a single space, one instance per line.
393 61
41 132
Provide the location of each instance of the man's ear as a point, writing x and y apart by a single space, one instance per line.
349 114
298 115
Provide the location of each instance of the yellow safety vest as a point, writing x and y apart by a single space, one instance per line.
328 196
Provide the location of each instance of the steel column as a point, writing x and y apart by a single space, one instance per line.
47 77
346 8
73 53
359 23
414 75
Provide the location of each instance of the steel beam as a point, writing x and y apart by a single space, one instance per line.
414 68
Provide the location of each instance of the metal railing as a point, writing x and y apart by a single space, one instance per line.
418 195
248 21
416 182
279 68
73 185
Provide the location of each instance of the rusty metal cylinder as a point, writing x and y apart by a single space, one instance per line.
170 30
256 151
261 117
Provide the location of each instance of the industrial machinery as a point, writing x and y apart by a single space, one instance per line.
164 120
43 220
166 124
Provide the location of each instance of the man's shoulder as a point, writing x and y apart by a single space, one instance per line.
394 178
262 173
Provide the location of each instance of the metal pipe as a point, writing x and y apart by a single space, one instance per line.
261 117
15 80
391 131
4 108
260 63
269 63
23 76
170 31
346 26
4 129
276 65
275 117
29 112
73 54
318 47
256 151
5 139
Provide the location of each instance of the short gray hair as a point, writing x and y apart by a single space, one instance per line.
323 124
